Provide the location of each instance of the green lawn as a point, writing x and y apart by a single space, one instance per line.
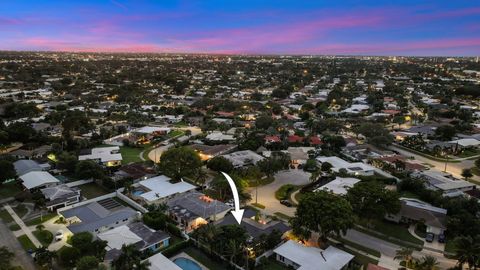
273 264
283 193
40 220
14 227
354 245
130 154
5 216
45 237
176 133
393 230
9 190
258 205
469 153
282 216
92 190
204 259
21 210
26 243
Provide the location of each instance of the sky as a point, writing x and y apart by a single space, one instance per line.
341 27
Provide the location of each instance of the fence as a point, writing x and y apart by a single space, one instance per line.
79 183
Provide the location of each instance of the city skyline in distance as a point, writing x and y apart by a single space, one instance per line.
410 28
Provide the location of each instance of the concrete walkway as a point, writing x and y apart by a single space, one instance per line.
22 225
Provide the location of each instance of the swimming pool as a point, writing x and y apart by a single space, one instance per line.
137 192
187 264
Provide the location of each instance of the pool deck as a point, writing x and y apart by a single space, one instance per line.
185 255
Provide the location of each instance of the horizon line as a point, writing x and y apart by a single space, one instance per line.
237 54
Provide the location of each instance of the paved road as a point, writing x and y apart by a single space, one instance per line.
266 194
156 153
389 249
9 240
453 168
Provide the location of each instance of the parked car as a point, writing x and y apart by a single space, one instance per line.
429 237
441 238
59 235
286 203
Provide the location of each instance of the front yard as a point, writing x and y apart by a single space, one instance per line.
9 190
390 229
131 154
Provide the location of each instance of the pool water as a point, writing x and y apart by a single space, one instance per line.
137 192
187 264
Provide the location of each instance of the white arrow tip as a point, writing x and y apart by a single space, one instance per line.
238 215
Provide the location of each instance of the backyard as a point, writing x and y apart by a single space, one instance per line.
92 190
131 154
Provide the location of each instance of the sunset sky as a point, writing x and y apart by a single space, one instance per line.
376 27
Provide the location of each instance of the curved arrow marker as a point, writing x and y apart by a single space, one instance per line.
237 213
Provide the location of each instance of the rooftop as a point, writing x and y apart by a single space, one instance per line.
160 187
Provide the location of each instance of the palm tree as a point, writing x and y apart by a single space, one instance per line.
130 259
201 177
404 254
427 263
43 257
207 234
314 176
232 249
40 227
467 251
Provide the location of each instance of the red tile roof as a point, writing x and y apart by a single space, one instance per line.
294 139
314 140
272 139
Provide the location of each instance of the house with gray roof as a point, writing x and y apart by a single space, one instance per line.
26 165
255 228
138 234
98 216
60 196
193 209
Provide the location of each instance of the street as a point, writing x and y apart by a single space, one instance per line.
266 194
156 153
10 241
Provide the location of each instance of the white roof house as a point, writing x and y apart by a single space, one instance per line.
467 142
444 182
311 258
149 130
219 136
340 185
160 262
103 154
37 179
119 236
356 168
243 158
160 187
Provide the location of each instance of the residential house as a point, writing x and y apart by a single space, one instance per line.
414 210
159 189
97 216
60 196
192 209
298 256
243 158
340 185
137 234
160 262
35 180
107 156
444 182
25 166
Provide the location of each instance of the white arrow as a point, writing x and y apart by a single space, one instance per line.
237 213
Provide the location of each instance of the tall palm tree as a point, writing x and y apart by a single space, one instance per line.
232 249
427 263
467 251
207 233
130 258
404 254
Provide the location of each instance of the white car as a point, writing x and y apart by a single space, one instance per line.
59 235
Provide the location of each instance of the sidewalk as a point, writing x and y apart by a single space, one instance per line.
22 225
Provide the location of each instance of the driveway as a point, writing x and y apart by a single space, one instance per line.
156 153
10 241
388 249
266 194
